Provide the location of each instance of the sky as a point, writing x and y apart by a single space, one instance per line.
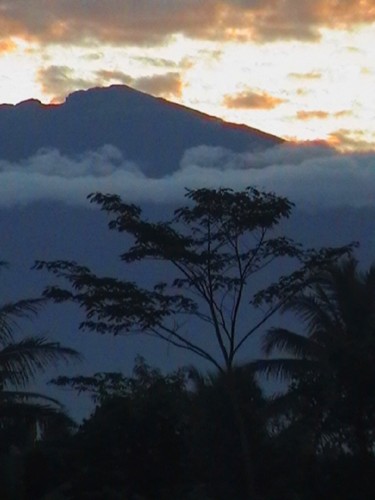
299 69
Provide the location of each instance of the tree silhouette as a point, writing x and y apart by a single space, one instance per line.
24 415
20 362
215 440
133 444
219 246
332 362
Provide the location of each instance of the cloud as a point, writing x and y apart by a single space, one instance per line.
58 81
312 75
350 140
320 115
366 71
251 100
303 20
138 22
165 85
145 22
313 175
312 115
108 76
7 46
161 62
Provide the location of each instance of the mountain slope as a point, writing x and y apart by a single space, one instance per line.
149 130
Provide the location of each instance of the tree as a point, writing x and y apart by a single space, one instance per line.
219 246
215 460
23 413
331 364
133 444
20 362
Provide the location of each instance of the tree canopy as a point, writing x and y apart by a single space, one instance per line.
331 362
218 246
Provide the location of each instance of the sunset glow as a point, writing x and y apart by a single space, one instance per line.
306 76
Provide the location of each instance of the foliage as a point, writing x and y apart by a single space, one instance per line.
134 441
331 365
219 247
25 416
20 362
165 436
215 461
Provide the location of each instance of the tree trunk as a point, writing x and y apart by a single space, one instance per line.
239 419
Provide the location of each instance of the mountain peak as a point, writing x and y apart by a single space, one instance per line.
148 130
29 103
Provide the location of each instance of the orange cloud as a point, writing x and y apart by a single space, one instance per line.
320 115
108 76
311 115
252 100
7 46
166 85
303 19
114 21
145 22
59 81
351 140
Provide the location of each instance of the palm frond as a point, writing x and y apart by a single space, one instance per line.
32 408
25 397
283 368
12 311
290 342
21 361
283 403
312 310
35 414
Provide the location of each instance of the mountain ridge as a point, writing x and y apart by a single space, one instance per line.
149 130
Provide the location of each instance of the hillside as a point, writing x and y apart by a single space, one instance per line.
149 130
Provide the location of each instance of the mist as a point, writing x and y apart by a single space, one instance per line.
312 175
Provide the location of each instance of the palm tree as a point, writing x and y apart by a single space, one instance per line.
331 365
24 414
20 362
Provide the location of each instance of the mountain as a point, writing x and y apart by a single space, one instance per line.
149 130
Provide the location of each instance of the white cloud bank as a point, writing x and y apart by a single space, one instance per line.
313 176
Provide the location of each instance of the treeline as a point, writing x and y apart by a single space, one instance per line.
215 435
155 436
